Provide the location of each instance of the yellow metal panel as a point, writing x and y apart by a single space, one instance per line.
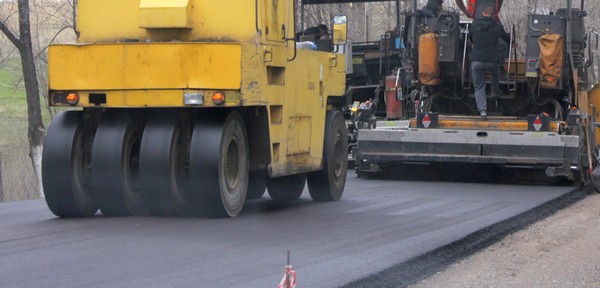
117 20
253 76
165 14
594 99
145 66
299 135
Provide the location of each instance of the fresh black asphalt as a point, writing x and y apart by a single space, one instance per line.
383 233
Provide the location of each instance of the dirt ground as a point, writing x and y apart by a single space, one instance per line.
562 250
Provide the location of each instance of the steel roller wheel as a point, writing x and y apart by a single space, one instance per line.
164 154
65 167
328 184
287 188
115 165
219 164
257 185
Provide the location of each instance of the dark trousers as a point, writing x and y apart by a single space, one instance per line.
478 70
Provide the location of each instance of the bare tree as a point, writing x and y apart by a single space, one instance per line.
36 130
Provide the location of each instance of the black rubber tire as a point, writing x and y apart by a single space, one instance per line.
182 199
328 184
164 156
115 165
219 164
257 185
65 167
287 188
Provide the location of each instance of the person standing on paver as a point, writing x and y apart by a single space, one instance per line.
474 9
485 33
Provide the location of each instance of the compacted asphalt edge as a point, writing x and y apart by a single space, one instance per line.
420 267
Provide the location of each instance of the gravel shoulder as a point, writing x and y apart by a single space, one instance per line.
562 250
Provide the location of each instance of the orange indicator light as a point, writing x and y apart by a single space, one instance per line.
218 98
72 98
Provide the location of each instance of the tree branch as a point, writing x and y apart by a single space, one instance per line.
11 36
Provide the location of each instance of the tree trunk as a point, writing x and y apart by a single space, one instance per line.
35 130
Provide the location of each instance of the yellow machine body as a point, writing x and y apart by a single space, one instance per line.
158 20
151 53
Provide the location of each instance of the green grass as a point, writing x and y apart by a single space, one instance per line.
12 92
17 171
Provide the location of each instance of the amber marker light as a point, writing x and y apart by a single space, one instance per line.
72 98
218 98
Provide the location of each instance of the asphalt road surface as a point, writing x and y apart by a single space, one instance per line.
378 224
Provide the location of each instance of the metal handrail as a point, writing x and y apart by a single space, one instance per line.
464 60
512 50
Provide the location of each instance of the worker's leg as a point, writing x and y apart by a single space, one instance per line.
478 74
